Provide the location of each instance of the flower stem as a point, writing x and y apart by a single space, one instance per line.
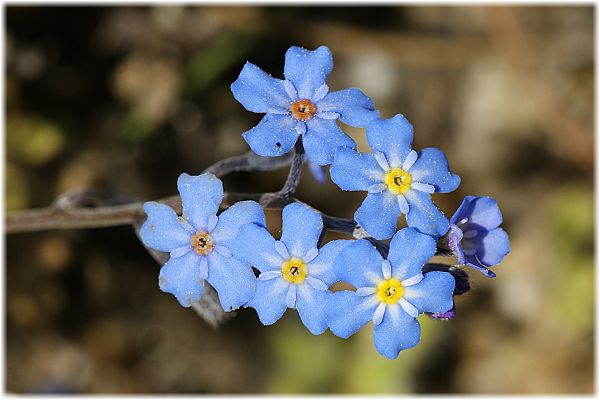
293 178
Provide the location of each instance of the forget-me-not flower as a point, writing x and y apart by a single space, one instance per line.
398 180
391 293
293 272
474 236
199 242
300 105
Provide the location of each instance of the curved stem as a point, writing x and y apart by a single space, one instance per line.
284 196
293 178
72 211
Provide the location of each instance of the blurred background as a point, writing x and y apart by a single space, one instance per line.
127 98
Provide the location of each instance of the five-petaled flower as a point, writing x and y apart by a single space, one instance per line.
300 105
391 293
474 236
398 180
293 272
199 243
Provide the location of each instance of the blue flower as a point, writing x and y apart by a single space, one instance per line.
293 272
474 236
391 293
200 243
300 105
398 180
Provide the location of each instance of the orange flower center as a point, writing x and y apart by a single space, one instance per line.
202 243
303 109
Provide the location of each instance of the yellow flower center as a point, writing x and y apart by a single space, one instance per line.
303 109
397 180
202 243
294 270
390 291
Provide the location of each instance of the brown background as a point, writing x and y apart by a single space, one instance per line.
129 98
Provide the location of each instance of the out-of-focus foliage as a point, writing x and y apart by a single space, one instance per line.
129 97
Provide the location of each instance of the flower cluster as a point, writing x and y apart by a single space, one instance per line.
393 283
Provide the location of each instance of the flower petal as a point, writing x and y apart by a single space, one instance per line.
162 230
359 264
201 197
269 300
290 298
378 214
353 106
258 91
424 215
233 280
481 211
255 245
345 313
409 251
275 135
322 266
379 313
319 172
352 170
307 69
433 294
432 168
230 221
310 304
493 248
301 228
398 331
181 277
393 137
322 138
265 276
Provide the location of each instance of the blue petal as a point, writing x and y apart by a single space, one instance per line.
393 137
233 280
398 331
255 245
322 266
181 277
310 303
318 172
274 136
354 107
359 264
346 313
322 138
352 170
409 251
301 228
307 70
230 221
269 300
257 91
481 211
378 214
201 197
424 215
162 230
492 249
433 294
432 168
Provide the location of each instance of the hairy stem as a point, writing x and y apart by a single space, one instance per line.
284 196
293 178
96 209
